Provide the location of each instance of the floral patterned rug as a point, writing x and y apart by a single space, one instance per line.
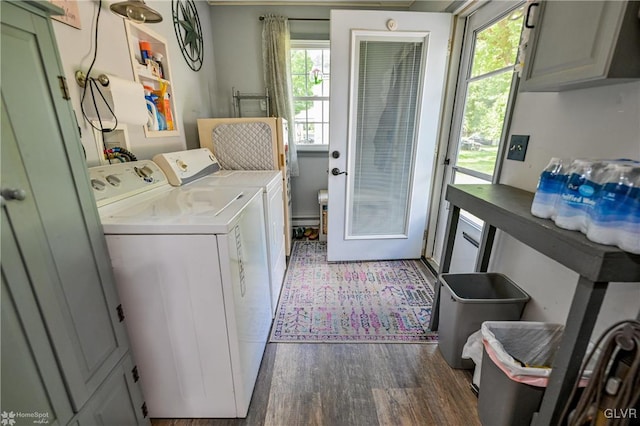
388 301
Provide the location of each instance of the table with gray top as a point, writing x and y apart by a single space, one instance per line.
509 209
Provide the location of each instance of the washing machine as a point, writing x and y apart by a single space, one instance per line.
190 266
199 166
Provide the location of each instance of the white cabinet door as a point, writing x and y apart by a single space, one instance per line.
578 44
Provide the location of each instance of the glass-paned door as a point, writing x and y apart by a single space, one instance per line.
386 92
486 89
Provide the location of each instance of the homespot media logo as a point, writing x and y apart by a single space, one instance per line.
12 418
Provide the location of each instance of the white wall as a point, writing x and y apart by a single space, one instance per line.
313 177
237 40
602 122
192 90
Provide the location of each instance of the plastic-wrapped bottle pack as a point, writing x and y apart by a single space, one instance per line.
600 198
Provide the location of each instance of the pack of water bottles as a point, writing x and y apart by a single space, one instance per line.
600 198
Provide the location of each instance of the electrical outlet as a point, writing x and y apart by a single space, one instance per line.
518 147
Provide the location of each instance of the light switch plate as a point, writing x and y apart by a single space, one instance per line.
518 147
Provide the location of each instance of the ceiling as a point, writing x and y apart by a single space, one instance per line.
367 3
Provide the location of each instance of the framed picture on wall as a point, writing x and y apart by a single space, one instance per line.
71 15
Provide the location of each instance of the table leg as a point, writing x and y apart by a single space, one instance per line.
484 251
449 238
583 313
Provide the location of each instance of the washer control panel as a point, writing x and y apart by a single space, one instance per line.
122 180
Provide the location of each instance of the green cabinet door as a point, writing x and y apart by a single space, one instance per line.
56 226
31 382
116 402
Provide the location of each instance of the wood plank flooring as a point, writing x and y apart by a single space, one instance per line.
354 384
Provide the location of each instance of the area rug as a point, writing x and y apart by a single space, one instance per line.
381 301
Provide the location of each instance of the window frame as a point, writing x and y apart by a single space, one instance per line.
299 44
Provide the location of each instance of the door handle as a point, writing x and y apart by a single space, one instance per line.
336 171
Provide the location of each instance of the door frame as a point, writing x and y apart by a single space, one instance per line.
458 67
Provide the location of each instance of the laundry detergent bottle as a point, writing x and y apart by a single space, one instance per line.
152 110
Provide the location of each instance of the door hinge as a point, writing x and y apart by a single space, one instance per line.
63 87
120 313
135 374
145 412
447 161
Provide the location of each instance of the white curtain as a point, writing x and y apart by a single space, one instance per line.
276 43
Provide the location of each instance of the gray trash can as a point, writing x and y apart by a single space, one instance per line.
503 402
513 380
468 300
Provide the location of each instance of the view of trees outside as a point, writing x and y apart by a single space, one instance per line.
495 53
310 72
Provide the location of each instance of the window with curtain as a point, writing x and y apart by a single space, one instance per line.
310 79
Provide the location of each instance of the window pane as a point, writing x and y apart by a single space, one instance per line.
484 112
299 85
298 62
325 133
310 79
497 46
326 85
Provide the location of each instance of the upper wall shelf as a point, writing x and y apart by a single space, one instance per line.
154 75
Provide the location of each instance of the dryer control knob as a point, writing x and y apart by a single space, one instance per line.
182 165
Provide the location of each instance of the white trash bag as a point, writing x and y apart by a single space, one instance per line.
473 350
524 350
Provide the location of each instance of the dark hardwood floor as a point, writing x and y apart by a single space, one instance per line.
354 384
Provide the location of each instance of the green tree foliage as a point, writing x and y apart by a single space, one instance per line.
496 48
301 67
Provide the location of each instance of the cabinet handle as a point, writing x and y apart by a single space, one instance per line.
144 410
13 194
120 312
526 19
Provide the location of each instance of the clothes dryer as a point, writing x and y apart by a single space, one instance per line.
191 270
200 166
